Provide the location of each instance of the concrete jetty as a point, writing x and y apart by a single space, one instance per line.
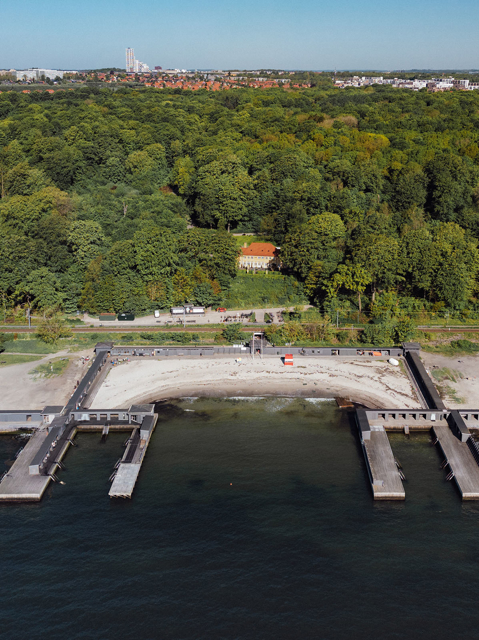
382 469
462 466
129 468
19 485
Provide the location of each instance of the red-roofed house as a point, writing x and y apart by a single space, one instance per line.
259 255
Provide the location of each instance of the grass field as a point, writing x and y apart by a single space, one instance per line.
50 369
7 359
29 346
264 290
242 240
454 345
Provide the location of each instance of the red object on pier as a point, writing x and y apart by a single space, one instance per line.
288 358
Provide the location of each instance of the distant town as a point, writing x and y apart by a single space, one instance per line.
140 73
433 84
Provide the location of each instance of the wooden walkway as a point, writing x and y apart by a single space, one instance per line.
383 472
461 462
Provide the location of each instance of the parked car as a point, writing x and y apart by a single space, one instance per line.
221 309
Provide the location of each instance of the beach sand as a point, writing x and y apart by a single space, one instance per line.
372 383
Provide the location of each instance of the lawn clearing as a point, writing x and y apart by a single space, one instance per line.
51 368
7 359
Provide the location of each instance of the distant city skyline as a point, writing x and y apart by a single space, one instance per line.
252 34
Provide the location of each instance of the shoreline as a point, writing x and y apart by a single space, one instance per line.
319 396
374 384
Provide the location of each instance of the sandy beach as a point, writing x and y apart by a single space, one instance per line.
372 383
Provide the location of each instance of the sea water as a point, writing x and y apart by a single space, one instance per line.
250 519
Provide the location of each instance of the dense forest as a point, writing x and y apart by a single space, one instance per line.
125 200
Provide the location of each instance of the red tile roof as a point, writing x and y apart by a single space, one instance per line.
260 249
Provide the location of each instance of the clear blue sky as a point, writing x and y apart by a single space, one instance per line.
245 34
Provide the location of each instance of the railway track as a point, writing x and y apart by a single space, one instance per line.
203 329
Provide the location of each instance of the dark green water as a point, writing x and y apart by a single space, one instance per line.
251 519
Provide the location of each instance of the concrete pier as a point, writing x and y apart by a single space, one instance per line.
129 468
383 472
460 460
21 486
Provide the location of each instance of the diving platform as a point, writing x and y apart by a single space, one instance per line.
460 460
383 471
126 475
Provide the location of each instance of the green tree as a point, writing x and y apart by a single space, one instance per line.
451 183
379 256
182 287
148 168
353 277
182 175
204 295
320 240
44 287
87 241
52 328
23 180
156 252
224 192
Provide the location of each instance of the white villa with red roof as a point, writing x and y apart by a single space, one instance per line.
259 255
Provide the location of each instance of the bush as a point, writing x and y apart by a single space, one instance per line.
149 337
379 334
343 337
389 332
405 330
233 333
465 345
290 332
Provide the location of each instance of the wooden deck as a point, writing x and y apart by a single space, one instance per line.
461 462
383 472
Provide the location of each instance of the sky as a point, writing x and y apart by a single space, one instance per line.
241 34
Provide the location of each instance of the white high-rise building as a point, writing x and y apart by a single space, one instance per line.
130 61
133 65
